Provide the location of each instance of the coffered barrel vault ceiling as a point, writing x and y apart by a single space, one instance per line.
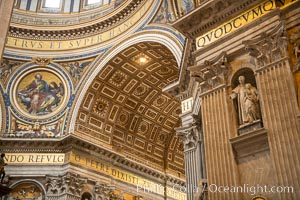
125 109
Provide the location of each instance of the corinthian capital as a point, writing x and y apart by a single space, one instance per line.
74 183
211 73
189 135
269 47
68 183
106 192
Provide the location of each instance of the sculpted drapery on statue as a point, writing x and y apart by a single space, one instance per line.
247 101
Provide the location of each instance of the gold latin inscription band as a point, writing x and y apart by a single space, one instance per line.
142 184
241 21
44 45
34 158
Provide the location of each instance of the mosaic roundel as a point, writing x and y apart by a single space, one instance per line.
40 93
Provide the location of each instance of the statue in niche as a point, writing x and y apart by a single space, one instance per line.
247 102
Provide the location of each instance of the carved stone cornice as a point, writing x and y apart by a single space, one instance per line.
210 14
269 47
211 74
70 32
73 142
189 135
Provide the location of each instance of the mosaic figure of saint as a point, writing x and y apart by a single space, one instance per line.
39 97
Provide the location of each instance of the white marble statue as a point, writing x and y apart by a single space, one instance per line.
247 102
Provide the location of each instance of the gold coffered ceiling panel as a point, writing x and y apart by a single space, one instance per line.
126 110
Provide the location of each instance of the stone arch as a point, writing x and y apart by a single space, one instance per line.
86 196
145 36
247 72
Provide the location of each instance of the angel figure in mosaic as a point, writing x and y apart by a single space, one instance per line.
76 69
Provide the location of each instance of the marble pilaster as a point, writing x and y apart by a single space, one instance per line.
279 106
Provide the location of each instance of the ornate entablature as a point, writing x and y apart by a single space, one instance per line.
208 15
87 168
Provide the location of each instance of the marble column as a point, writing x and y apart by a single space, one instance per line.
194 158
279 106
6 8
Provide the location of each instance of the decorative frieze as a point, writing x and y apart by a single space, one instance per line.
51 148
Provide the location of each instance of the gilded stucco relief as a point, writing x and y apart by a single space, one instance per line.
125 108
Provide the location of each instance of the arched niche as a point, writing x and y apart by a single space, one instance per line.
247 73
246 101
86 196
